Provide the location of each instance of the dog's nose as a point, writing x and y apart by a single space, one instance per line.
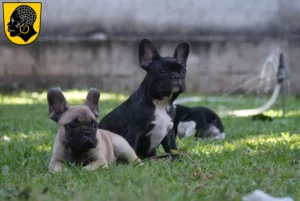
88 133
176 77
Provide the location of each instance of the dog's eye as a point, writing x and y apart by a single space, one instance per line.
95 125
72 125
162 71
183 71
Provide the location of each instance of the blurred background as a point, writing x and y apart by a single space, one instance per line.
94 43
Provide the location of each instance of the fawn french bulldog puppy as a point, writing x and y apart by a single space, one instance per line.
79 140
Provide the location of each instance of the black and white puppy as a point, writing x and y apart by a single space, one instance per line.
201 121
145 119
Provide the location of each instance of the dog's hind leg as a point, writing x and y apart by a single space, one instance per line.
123 150
190 131
186 129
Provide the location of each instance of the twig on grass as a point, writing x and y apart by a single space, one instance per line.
206 178
202 184
195 164
163 156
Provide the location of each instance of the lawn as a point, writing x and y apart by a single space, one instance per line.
255 155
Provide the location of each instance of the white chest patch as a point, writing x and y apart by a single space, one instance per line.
162 124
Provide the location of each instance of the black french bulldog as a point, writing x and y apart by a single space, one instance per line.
145 119
201 121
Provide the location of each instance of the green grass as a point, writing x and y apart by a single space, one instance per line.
255 155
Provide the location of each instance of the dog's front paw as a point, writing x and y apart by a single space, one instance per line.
137 162
95 165
89 168
57 167
175 157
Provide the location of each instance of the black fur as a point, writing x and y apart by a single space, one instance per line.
81 136
202 116
133 119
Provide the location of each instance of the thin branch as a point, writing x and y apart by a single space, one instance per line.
166 155
195 164
202 184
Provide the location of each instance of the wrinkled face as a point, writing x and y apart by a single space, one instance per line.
78 124
80 130
166 76
14 24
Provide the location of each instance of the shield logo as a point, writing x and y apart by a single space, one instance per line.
22 21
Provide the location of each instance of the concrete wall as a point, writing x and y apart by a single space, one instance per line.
212 67
95 43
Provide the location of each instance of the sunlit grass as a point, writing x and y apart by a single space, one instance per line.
255 155
73 96
249 144
279 113
43 148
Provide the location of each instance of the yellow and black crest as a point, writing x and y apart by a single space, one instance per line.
22 21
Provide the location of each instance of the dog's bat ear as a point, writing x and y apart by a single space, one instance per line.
147 53
181 52
57 104
92 101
